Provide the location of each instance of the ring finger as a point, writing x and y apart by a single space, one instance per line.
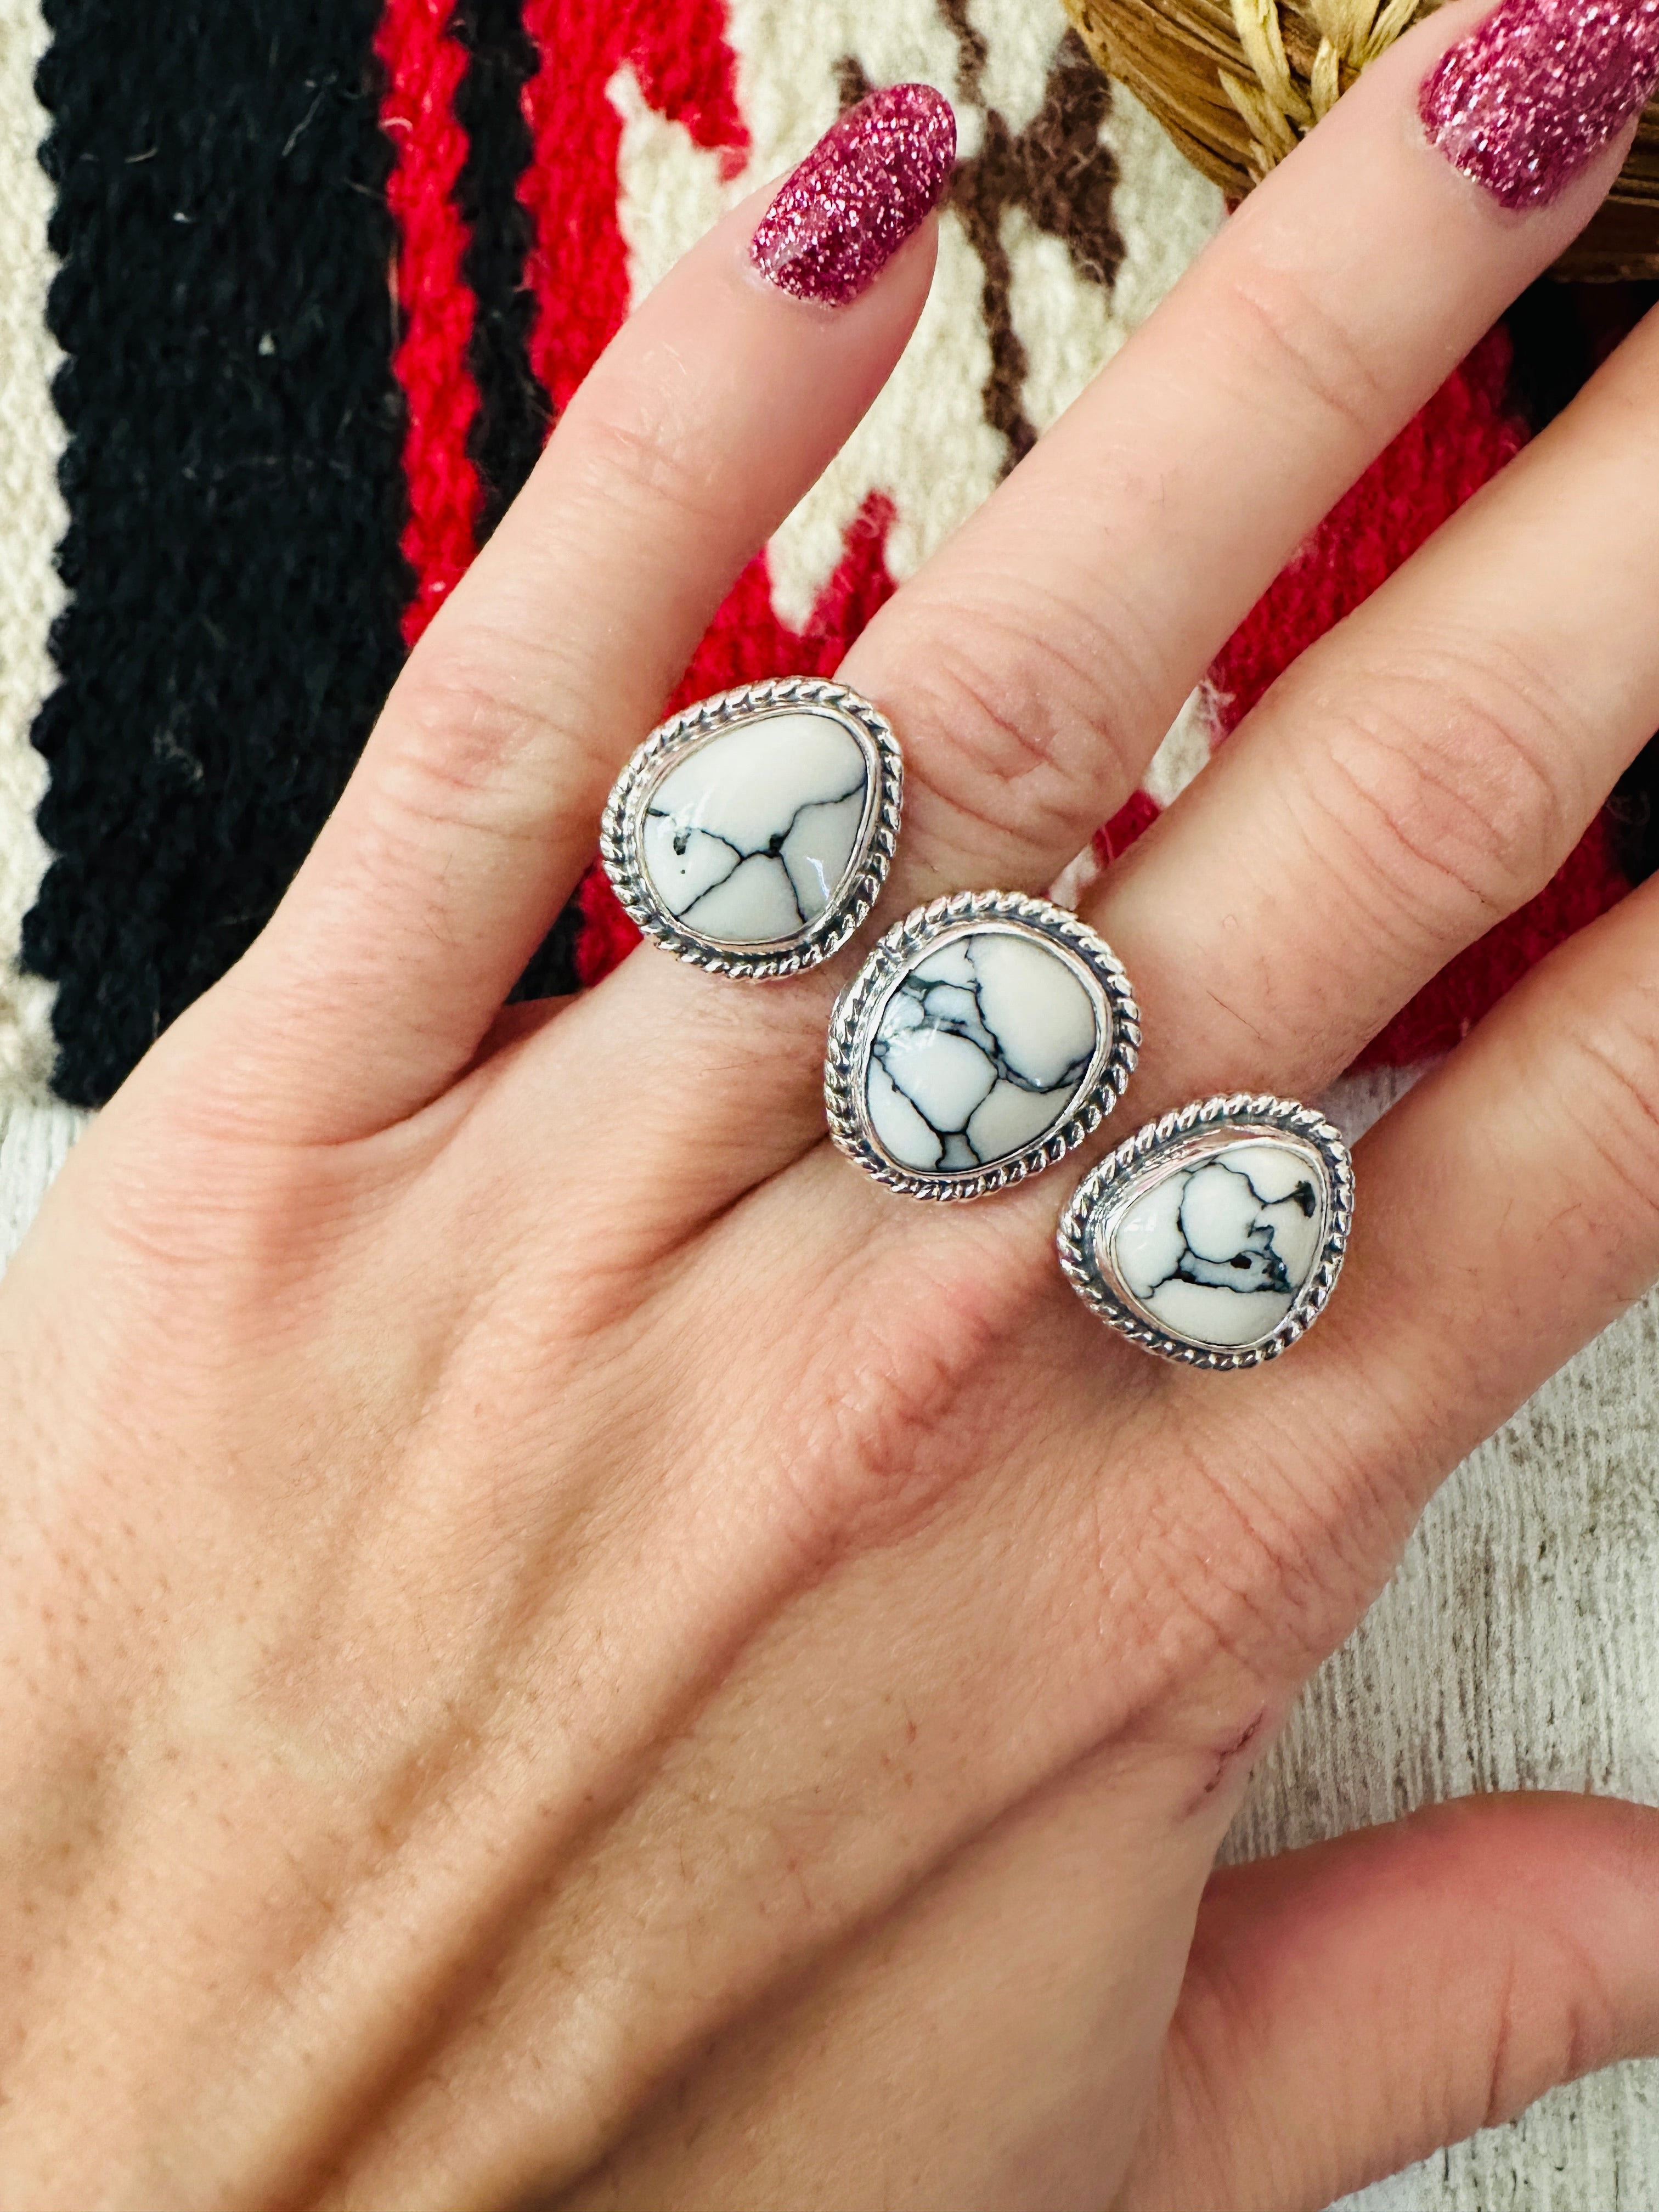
1416 776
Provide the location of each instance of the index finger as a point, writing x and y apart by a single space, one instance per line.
476 805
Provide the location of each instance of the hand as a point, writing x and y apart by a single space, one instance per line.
556 1640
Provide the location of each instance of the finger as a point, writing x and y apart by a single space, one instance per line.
1417 775
1032 668
1035 665
476 805
1508 1211
1350 2007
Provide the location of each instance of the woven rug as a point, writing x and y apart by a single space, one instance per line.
290 294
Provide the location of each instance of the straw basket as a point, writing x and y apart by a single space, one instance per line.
1237 82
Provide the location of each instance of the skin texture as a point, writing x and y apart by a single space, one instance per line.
559 1645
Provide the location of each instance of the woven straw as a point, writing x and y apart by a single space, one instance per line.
1237 82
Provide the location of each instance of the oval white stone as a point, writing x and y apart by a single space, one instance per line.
751 836
1215 1249
981 1049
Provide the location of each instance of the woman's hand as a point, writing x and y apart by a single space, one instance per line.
554 1638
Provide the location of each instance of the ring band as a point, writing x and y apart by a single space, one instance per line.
1215 1236
752 834
985 1036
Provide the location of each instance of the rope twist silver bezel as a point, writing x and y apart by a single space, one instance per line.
852 1031
1245 1111
825 935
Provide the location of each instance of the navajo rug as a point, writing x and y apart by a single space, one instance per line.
290 294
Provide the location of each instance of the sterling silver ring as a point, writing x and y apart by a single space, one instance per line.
1215 1236
752 834
985 1036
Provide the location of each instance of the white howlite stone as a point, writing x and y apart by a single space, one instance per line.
980 1051
752 835
1216 1250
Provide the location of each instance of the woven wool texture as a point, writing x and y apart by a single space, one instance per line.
31 440
233 483
325 275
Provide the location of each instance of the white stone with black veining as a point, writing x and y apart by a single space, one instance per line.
751 838
1215 1251
979 1053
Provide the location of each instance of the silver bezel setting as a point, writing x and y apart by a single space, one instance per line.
1194 1132
858 1014
696 725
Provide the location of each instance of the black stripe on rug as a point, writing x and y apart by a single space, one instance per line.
1559 333
234 482
514 411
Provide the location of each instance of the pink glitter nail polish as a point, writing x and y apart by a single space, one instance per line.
870 181
1525 100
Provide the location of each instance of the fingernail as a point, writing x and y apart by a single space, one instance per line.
1523 102
869 183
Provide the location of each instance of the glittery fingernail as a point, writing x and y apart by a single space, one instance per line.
870 181
1525 100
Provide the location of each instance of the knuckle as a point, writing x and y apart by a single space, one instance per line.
471 712
632 442
1280 327
494 706
1027 725
1608 1085
1529 2047
1246 1558
486 734
1446 788
229 1238
1247 1574
902 1425
1232 1560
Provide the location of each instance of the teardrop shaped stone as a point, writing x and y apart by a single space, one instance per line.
1215 1249
752 835
980 1051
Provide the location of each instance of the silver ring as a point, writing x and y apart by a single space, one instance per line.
985 1036
1214 1236
752 834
